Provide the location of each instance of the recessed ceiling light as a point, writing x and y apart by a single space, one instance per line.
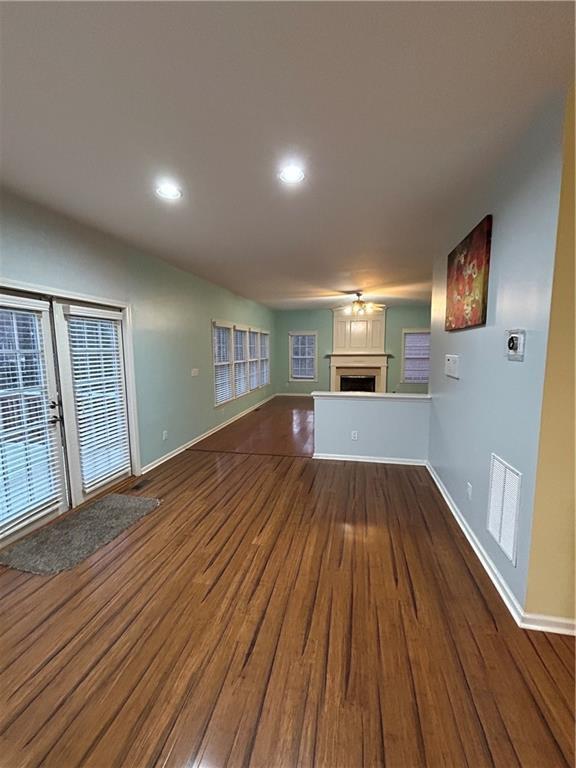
168 189
292 173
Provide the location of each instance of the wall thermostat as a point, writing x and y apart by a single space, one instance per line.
515 344
452 366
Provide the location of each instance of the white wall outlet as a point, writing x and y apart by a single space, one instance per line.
354 434
194 371
469 491
165 435
452 366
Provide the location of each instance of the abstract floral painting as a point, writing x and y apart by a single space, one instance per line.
467 284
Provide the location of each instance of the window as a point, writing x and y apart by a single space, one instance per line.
241 361
264 359
415 355
253 358
222 341
303 356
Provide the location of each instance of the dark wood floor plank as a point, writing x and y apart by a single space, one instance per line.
277 611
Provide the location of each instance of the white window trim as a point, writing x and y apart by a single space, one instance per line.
58 293
21 302
239 327
404 332
291 334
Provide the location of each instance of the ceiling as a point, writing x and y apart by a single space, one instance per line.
396 108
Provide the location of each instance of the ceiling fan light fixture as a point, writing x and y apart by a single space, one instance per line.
361 307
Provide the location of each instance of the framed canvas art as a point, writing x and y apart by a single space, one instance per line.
467 281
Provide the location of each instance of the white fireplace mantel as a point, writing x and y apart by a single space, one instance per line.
348 364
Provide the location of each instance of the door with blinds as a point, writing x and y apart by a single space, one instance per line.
32 476
64 430
91 362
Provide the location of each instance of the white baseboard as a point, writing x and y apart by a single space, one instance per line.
369 459
190 443
544 623
525 620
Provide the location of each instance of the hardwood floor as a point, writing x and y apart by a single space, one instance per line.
279 612
283 426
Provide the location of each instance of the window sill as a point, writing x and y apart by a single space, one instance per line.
415 383
239 397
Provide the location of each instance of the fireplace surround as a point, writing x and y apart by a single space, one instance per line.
375 366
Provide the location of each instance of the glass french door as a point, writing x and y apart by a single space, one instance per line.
32 477
64 430
90 348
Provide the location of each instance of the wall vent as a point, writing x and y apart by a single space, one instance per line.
503 505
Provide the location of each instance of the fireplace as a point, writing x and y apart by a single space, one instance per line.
362 373
357 383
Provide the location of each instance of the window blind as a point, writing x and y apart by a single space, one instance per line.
30 451
264 359
253 356
303 356
240 362
99 399
222 343
416 357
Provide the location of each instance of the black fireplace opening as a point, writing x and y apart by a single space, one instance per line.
358 383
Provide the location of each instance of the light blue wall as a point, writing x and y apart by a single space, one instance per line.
388 426
398 317
172 312
302 320
496 404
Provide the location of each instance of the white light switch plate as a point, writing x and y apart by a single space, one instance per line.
452 366
194 371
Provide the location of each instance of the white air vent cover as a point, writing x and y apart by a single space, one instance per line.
503 504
